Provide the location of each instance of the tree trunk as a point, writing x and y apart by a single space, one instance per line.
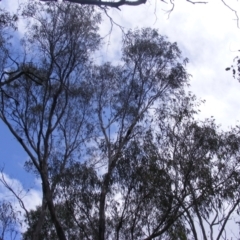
102 220
38 227
47 191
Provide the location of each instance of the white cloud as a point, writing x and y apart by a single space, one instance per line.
207 35
30 197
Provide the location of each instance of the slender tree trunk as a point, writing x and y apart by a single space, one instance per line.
47 191
102 220
40 222
102 214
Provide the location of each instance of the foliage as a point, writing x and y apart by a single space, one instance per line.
235 68
8 24
8 221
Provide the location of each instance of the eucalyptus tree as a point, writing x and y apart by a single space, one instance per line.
202 162
48 113
152 70
175 179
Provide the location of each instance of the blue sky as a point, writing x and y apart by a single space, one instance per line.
13 157
206 34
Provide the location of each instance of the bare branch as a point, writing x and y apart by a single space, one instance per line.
193 2
105 3
235 12
17 195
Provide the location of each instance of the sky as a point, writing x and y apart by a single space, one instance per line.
208 36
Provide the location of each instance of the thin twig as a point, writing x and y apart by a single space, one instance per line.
21 203
235 12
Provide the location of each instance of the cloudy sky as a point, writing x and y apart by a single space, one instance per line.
207 34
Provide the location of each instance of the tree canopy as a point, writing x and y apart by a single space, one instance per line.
117 147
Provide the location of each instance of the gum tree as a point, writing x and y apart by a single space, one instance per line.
48 112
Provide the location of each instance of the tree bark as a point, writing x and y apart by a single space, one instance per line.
105 3
48 193
38 227
102 220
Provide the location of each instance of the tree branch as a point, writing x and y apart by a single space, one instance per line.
235 12
105 3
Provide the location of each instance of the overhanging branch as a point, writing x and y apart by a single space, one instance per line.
105 3
235 12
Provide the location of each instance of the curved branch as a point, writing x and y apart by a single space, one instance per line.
7 186
235 12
